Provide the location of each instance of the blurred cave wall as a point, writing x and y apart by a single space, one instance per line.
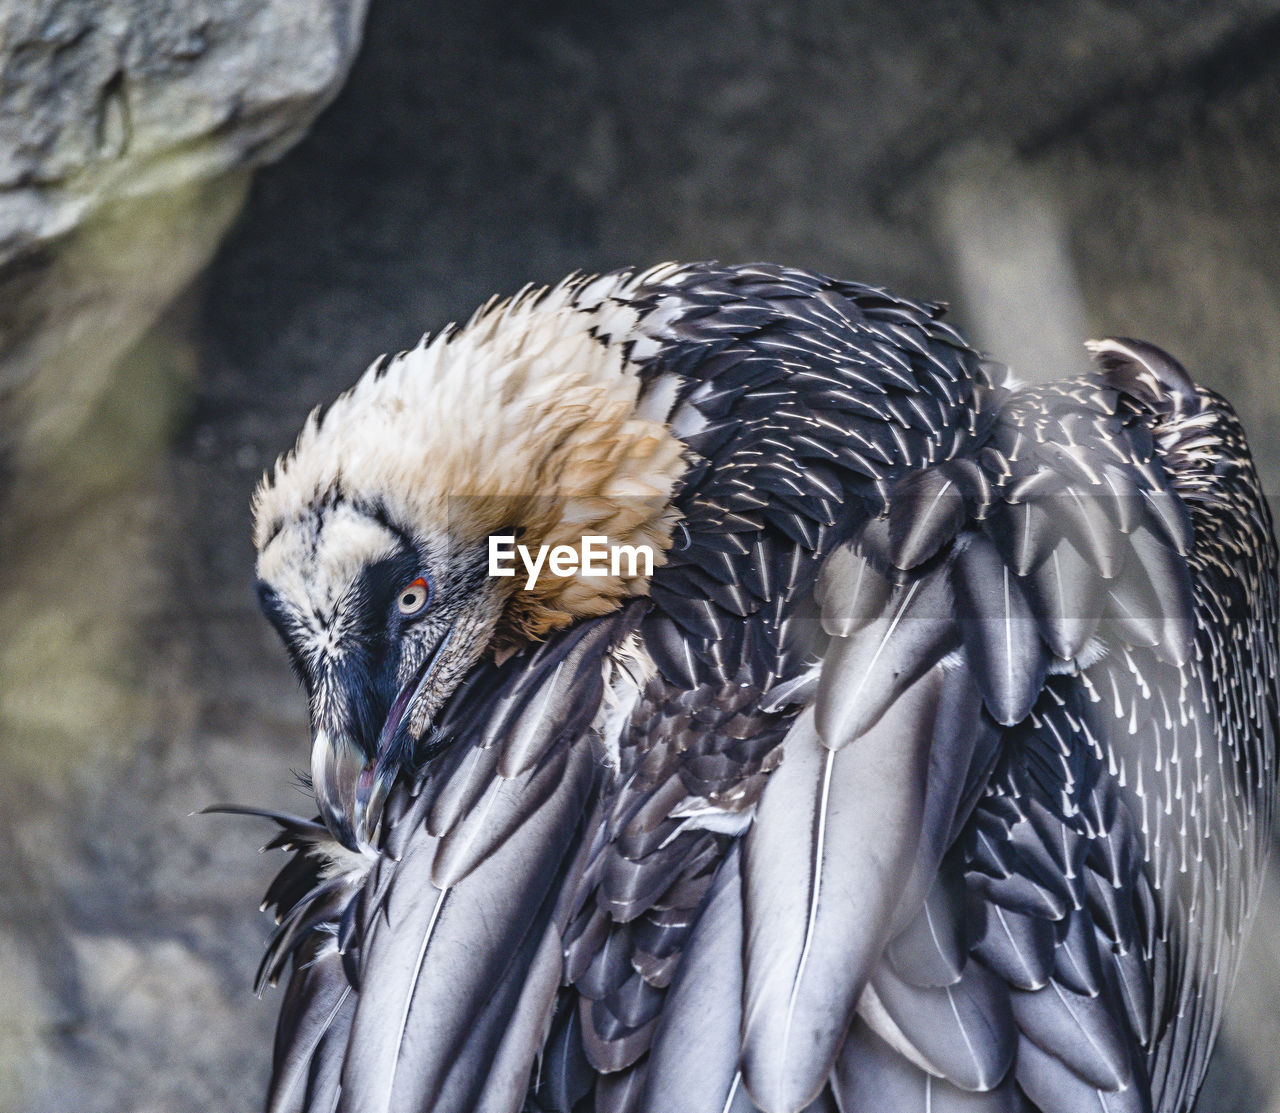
1054 171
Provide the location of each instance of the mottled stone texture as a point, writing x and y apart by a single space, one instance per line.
101 99
1054 170
126 130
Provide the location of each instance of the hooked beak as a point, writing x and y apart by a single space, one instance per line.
350 785
337 768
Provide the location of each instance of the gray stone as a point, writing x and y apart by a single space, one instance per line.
126 131
102 100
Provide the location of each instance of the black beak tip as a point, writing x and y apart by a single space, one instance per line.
337 769
339 823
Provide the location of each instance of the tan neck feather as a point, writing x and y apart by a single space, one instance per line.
614 478
521 420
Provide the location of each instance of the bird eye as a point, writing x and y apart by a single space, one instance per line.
414 597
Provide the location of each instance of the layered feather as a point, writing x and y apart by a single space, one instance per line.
942 779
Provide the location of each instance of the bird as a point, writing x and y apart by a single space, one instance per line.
929 763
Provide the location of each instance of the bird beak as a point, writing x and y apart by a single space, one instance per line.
337 768
351 785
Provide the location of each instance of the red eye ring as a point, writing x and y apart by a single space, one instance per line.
413 598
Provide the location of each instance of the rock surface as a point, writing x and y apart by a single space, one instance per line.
107 99
127 128
1105 167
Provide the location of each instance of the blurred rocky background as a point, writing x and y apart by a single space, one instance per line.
168 316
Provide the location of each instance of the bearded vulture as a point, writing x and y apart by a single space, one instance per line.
926 763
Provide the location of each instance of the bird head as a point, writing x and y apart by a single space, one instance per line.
373 531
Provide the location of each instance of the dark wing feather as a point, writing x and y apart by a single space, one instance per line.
937 742
315 1013
413 1007
694 1060
1081 1008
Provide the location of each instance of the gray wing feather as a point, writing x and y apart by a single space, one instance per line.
485 1080
964 1031
871 1077
409 915
1008 659
504 807
423 976
933 947
851 592
324 1077
458 796
1017 946
693 1065
864 674
1054 1087
316 1009
1084 1032
834 833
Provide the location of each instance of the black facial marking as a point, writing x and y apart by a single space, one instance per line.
366 673
382 582
377 511
287 627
